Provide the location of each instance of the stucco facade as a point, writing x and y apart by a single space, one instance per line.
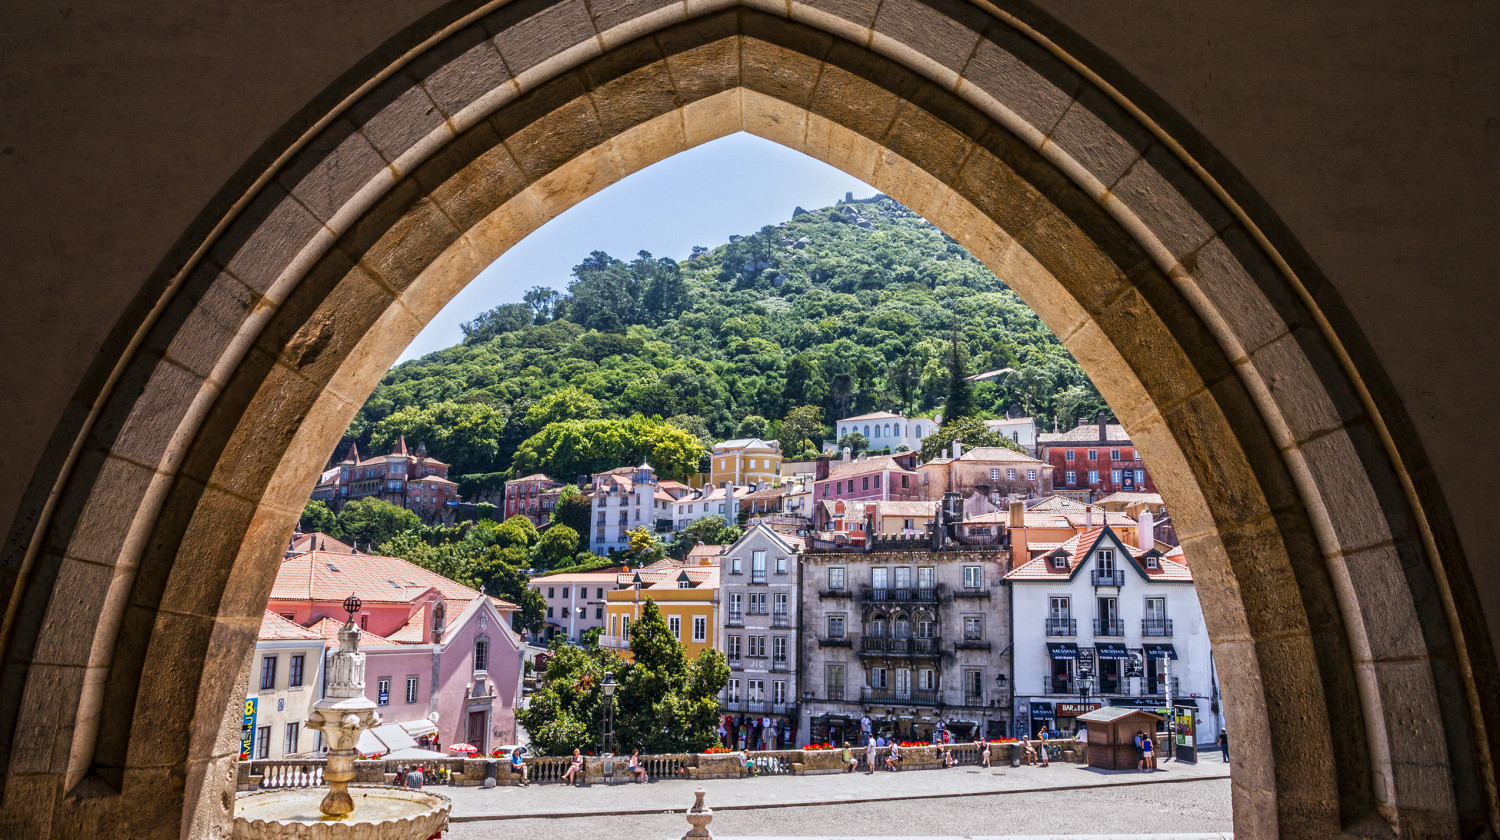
761 627
887 430
907 637
687 595
745 461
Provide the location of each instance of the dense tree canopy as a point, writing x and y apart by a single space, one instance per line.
372 521
846 309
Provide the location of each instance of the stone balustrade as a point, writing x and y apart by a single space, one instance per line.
273 773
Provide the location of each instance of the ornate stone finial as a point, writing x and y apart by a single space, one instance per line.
699 816
351 606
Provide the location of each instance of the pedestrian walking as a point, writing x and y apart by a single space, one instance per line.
1224 744
850 762
864 727
637 768
415 778
575 768
518 767
869 755
984 753
1082 737
1042 736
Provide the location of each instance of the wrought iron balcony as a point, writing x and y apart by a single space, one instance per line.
912 697
1158 627
780 619
757 575
973 699
1059 685
834 641
780 665
881 645
971 593
1108 577
735 619
901 595
1109 627
1062 626
971 644
836 593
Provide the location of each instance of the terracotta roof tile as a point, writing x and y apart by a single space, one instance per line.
329 576
328 628
1087 433
275 628
414 631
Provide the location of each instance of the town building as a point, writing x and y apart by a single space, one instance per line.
686 592
413 480
759 598
745 461
533 496
1043 527
1101 620
886 430
286 678
1093 460
853 521
1019 430
907 634
624 499
713 500
868 477
987 477
440 658
575 602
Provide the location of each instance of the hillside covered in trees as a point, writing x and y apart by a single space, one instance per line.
847 309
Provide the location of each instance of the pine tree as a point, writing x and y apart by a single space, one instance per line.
960 389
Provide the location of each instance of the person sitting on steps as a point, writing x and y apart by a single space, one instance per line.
575 768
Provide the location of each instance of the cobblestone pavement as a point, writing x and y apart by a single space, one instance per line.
965 801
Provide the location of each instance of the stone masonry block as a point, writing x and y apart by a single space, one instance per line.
1016 72
329 171
542 140
702 69
78 597
1346 500
529 32
472 177
928 143
464 67
998 192
1100 136
1239 289
942 31
395 115
778 72
202 319
93 527
619 20
269 233
157 395
634 98
854 102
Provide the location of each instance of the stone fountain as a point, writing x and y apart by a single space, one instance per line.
368 812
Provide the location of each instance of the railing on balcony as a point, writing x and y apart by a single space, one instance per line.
1059 685
899 647
780 619
973 699
841 592
1158 627
975 592
1062 626
779 708
616 642
905 594
1158 687
780 665
834 641
735 663
971 644
912 697
1109 627
736 618
1108 577
1112 685
758 576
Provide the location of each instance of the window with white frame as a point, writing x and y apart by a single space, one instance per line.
778 692
1010 475
733 648
1069 454
973 577
836 577
293 733
1114 454
411 689
1031 475
756 692
878 678
926 679
1072 477
836 626
674 626
994 475
1114 476
781 602
973 628
926 576
734 566
383 691
700 628
778 649
1093 454
780 565
267 673
1093 476
834 675
733 691
263 742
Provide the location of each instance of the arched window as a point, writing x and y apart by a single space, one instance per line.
901 627
877 626
867 432
877 430
919 432
924 625
439 616
481 655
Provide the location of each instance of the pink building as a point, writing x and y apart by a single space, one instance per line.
413 480
881 477
441 658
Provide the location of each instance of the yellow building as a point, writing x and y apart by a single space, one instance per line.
746 461
687 593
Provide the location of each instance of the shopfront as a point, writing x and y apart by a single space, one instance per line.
1113 665
1042 715
1064 656
1066 713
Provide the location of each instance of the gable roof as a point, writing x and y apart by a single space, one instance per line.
744 443
328 628
999 454
853 467
319 541
875 415
274 628
534 477
1080 546
1086 433
327 576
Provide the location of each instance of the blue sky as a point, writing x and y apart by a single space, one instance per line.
733 185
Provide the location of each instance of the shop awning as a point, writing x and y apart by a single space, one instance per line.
419 727
1041 711
1062 650
1138 703
1111 650
1161 651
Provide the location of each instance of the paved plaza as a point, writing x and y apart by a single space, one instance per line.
1063 799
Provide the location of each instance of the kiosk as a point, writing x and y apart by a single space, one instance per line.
1112 735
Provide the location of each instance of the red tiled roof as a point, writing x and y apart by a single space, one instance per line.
414 631
329 576
533 477
328 628
1041 568
874 415
879 463
1086 433
275 628
998 454
319 541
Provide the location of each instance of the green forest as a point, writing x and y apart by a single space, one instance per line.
837 311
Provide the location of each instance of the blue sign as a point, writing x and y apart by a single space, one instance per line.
247 730
385 696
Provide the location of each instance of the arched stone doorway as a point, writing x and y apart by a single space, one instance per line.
1340 618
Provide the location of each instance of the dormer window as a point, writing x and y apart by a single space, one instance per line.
1151 561
1059 562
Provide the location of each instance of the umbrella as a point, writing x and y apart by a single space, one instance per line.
466 749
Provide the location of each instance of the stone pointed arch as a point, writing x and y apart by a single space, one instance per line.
1338 624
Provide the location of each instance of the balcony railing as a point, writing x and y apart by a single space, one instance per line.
905 594
735 619
1158 688
1159 627
758 576
1059 685
913 697
836 593
1108 577
779 708
1109 627
735 664
971 593
1062 626
780 665
971 644
834 641
780 619
899 647
973 699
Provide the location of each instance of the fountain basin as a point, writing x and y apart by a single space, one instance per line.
380 813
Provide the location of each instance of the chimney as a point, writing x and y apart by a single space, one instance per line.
1146 531
1017 514
958 449
1103 428
1088 516
820 468
1083 421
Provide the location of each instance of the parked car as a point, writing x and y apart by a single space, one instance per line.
506 750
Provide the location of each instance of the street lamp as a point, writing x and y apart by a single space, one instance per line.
607 730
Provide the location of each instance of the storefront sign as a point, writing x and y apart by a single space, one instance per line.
247 730
1111 650
1063 650
1041 711
1075 709
1161 651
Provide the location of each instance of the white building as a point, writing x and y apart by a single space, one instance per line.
708 501
758 588
1020 430
887 430
1099 621
625 499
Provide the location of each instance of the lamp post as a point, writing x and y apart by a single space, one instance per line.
607 724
